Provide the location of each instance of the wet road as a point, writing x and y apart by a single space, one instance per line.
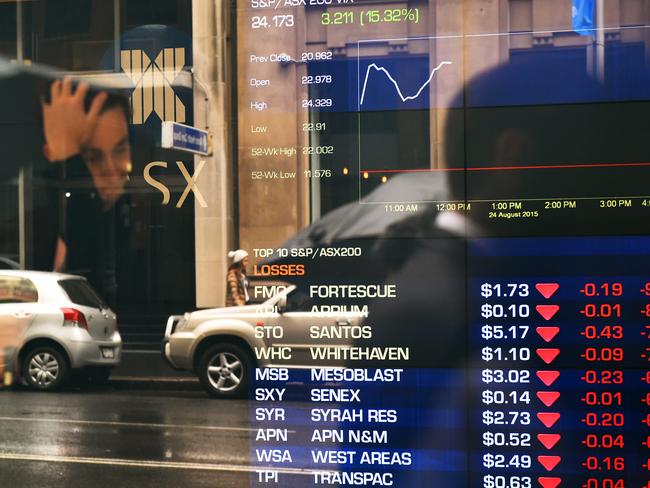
119 438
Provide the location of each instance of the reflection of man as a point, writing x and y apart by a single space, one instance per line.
94 127
426 256
87 135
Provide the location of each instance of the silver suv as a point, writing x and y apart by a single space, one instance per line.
223 345
52 324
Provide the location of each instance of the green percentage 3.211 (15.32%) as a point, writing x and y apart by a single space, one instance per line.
375 16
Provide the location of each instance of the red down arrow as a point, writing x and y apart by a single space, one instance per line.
548 355
548 418
549 462
548 333
547 289
549 482
547 311
549 440
548 398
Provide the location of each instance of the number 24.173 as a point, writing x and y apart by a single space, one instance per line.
262 21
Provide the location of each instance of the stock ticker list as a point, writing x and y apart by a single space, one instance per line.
550 391
549 387
559 333
336 423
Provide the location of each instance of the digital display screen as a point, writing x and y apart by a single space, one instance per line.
545 385
325 243
488 189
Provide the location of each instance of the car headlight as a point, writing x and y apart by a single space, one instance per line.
183 322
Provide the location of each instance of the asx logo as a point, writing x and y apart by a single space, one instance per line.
153 80
190 181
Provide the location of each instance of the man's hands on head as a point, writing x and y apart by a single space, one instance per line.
66 124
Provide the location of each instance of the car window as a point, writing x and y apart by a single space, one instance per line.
81 293
7 263
14 289
299 301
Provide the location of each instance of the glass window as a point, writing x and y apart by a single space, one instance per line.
299 301
81 293
8 30
64 18
151 12
15 289
76 35
176 13
458 190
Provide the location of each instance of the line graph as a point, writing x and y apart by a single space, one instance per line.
416 112
394 82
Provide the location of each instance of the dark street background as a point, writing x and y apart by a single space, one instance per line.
122 437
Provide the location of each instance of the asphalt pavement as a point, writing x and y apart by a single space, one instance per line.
123 438
148 370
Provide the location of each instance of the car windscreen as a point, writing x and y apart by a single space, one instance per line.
81 293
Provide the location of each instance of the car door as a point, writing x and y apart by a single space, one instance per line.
315 338
18 298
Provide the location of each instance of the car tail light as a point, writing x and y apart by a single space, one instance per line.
74 318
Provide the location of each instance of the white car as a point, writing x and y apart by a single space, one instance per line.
52 325
222 345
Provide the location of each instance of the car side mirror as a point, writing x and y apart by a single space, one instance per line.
282 304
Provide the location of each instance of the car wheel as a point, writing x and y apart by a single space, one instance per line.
45 368
223 371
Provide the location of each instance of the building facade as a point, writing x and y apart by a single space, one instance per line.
202 63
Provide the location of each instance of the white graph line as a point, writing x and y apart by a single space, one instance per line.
399 92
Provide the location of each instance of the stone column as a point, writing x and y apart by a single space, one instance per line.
214 223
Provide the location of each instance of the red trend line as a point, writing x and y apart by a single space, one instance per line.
505 168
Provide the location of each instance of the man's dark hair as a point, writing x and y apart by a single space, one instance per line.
113 100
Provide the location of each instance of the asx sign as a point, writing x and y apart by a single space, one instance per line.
154 83
190 181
